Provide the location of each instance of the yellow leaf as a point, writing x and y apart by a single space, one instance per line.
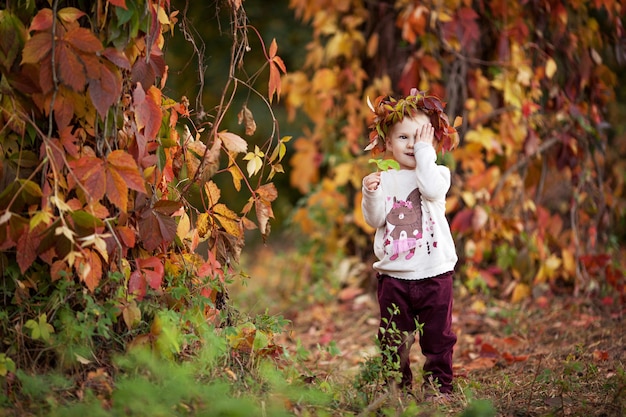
162 16
39 217
569 262
229 220
550 68
202 224
254 165
184 226
237 177
469 198
479 307
213 192
520 292
131 314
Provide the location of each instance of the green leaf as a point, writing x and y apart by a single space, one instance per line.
40 329
6 365
385 164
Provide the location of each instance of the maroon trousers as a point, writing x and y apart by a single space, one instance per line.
429 301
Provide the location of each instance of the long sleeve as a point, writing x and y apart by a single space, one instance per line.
373 206
433 180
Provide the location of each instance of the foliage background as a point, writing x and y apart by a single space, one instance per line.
123 210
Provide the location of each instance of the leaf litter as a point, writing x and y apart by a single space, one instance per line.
566 357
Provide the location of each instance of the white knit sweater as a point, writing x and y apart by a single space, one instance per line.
413 238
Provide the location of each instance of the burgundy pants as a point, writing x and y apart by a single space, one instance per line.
429 301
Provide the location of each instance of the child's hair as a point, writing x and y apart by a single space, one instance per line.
389 111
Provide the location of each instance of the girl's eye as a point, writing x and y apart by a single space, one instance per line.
403 137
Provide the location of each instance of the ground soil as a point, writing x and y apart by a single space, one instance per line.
552 356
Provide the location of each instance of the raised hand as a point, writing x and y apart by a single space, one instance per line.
425 133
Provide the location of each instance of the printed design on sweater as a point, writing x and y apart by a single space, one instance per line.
406 219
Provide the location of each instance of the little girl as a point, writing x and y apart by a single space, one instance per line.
413 243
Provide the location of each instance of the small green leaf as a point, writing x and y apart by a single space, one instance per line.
41 328
6 365
385 164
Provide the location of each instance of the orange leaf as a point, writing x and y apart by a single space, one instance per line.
83 39
274 83
36 48
126 236
600 355
71 69
513 358
125 165
480 363
90 172
276 65
273 49
117 190
431 65
267 192
63 111
89 269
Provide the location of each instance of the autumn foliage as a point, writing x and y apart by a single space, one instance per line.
107 184
538 199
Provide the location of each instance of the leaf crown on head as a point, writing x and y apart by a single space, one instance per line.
389 111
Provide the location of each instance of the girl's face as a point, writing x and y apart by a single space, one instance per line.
402 137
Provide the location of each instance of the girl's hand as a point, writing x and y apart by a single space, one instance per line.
425 133
372 181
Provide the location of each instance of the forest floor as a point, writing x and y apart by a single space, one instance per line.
557 357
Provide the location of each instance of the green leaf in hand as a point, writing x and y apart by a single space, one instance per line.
385 164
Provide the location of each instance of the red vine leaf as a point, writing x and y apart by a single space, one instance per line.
156 225
119 3
42 20
105 89
153 270
148 113
90 172
83 39
117 57
27 248
149 272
